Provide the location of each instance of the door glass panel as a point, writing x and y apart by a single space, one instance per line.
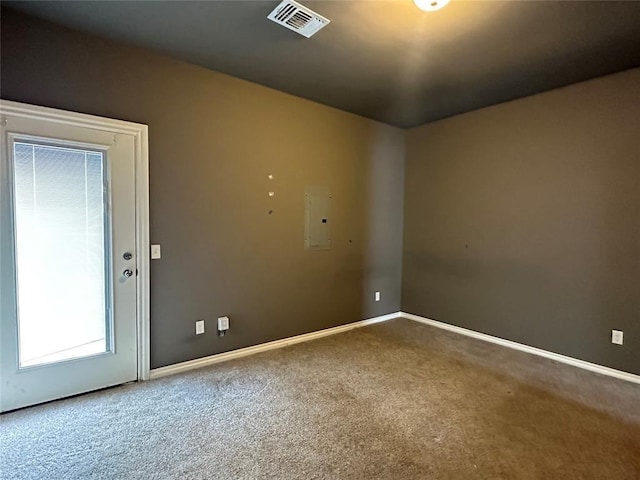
61 253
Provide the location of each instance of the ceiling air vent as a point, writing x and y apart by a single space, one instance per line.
298 18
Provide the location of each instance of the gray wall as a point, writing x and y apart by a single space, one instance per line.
522 220
213 140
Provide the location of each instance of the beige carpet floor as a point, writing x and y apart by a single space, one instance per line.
397 400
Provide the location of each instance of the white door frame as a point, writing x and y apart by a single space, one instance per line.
140 134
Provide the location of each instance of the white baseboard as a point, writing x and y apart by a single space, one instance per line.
263 347
593 367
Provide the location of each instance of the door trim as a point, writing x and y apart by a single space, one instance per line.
140 133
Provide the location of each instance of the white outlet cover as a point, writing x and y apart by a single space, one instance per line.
223 323
617 337
199 327
377 296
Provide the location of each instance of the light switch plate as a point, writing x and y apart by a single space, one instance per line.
155 252
377 296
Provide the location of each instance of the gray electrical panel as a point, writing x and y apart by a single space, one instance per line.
317 221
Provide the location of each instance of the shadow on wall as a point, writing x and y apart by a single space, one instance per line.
499 291
383 222
521 220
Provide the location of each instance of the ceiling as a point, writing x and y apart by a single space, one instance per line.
384 60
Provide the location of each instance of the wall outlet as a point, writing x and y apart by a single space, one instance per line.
617 337
223 324
199 327
377 296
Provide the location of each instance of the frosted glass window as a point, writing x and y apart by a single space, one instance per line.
61 253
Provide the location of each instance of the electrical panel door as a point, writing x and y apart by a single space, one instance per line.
317 234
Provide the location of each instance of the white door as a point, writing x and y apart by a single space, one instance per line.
69 260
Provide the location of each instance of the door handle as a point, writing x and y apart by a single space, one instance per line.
127 273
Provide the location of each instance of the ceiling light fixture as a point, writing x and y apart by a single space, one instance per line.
430 5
